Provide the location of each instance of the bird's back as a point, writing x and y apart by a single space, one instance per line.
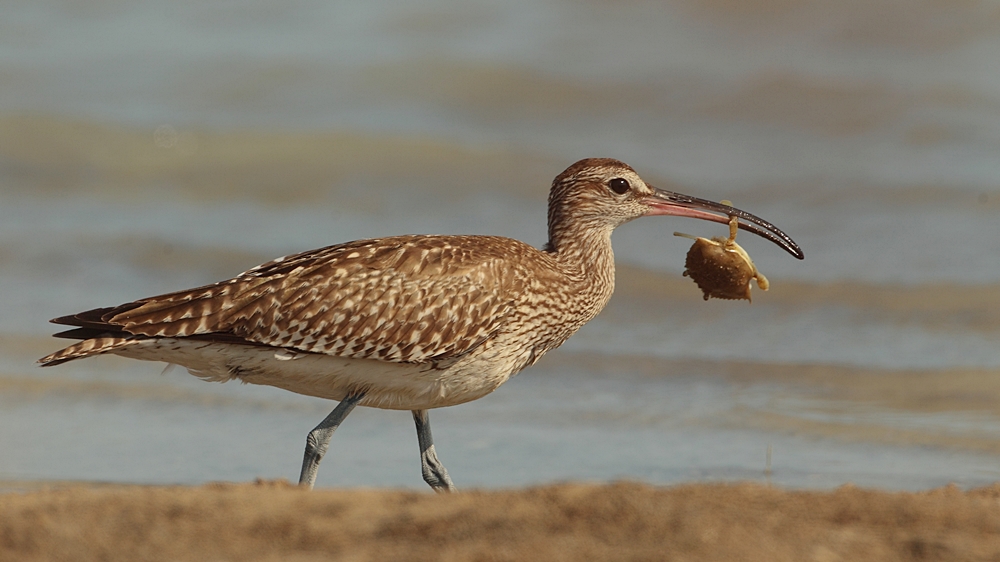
409 299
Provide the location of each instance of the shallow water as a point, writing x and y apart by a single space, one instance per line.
554 424
147 148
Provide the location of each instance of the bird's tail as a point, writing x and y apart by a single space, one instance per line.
86 348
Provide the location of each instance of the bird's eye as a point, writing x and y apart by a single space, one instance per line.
619 185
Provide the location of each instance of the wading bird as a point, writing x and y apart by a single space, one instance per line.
404 323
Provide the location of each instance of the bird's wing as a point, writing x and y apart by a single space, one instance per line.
408 300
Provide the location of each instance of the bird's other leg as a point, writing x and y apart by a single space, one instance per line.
434 472
318 440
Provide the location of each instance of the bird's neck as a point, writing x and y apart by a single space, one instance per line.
587 261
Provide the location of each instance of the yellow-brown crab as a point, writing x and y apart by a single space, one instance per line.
720 267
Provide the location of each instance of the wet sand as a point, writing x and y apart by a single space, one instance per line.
573 521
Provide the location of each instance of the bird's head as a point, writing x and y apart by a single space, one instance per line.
602 194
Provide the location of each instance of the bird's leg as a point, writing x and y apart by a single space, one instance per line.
318 440
434 472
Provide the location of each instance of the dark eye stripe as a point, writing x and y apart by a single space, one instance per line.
619 185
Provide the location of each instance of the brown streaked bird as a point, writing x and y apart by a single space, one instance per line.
403 323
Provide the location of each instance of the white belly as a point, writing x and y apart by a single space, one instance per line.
396 386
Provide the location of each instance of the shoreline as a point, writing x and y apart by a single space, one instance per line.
274 520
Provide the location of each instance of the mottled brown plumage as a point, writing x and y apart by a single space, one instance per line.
409 322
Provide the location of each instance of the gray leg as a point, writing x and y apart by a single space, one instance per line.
318 440
434 472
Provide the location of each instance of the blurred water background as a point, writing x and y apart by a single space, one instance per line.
147 147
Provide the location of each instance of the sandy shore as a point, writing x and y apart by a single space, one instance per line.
621 521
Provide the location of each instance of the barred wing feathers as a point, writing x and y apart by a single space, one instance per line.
406 300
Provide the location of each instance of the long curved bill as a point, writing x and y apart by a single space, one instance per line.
663 202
